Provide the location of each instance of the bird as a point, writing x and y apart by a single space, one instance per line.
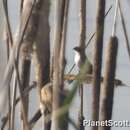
46 98
81 58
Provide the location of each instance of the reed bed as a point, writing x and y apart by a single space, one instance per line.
33 52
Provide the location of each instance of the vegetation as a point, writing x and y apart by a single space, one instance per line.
36 62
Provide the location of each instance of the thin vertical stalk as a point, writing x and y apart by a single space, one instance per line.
9 90
9 42
56 78
107 92
124 29
82 45
25 77
115 17
62 60
25 120
5 5
82 29
82 24
13 101
8 45
81 115
63 40
98 48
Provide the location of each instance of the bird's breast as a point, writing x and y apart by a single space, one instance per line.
77 59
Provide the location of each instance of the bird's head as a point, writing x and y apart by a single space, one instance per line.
77 49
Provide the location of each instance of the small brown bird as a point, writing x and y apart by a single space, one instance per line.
46 98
